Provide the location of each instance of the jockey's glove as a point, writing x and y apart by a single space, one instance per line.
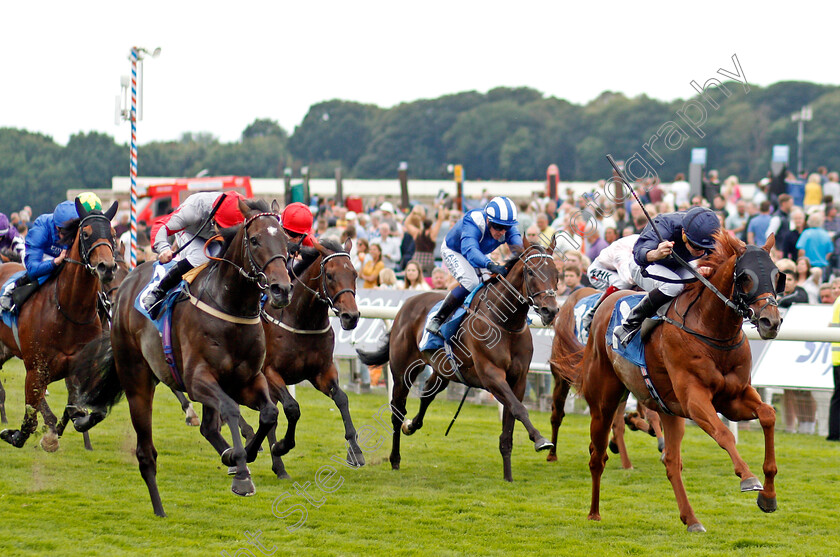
497 269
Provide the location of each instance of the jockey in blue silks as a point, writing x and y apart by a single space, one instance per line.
465 250
687 234
45 250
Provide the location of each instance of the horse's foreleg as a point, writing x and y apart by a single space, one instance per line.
656 426
674 432
558 412
258 398
494 380
140 394
701 410
506 443
329 386
434 386
186 406
398 412
49 442
747 408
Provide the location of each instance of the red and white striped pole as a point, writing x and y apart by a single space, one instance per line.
133 169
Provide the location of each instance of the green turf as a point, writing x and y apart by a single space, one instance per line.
448 499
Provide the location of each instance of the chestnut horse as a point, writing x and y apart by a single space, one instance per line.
566 342
699 365
300 343
492 349
218 345
60 317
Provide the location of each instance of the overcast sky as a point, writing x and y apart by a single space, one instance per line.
224 64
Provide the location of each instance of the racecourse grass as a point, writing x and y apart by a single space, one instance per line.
448 499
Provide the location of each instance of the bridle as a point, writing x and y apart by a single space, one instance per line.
257 272
85 251
530 297
322 294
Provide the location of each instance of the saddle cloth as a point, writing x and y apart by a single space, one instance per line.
634 352
10 318
168 302
582 307
432 342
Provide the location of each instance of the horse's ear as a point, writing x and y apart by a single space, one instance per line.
80 209
244 208
771 241
553 244
525 243
348 245
111 212
275 207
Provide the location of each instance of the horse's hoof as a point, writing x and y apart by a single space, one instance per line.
594 516
193 421
49 442
551 457
613 447
12 437
696 527
395 466
660 444
543 444
244 487
751 484
232 470
766 504
406 427
355 458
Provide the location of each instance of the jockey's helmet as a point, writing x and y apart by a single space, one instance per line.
228 214
64 213
90 201
699 224
297 218
501 211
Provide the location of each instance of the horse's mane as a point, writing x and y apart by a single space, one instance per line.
332 245
514 258
228 234
67 233
726 247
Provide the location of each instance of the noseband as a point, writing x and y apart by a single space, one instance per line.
322 295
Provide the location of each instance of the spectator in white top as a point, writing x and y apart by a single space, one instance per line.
681 190
390 246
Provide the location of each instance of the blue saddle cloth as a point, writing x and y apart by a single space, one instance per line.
634 352
581 308
449 328
168 302
10 318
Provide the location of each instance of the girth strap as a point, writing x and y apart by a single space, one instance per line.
652 390
168 352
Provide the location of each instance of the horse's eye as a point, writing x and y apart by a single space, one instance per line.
85 234
329 276
254 241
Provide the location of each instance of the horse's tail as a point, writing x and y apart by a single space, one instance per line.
96 372
567 352
379 355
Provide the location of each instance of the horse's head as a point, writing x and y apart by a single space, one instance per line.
337 281
266 251
540 278
95 241
757 283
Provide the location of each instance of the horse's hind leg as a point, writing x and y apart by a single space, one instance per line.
186 406
749 407
256 396
655 427
3 405
558 412
495 381
617 444
73 411
674 431
434 385
327 383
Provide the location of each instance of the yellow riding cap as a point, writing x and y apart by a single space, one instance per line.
90 201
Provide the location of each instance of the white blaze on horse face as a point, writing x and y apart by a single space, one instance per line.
273 230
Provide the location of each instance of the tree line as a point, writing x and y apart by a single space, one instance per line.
506 133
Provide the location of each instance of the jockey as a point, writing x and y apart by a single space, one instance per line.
296 221
687 234
466 247
185 223
11 242
611 272
45 246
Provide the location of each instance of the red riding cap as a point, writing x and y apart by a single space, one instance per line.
228 214
297 218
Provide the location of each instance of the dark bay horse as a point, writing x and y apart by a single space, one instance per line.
492 348
699 365
60 317
300 343
217 341
565 342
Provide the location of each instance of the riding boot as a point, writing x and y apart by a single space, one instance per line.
153 301
586 320
6 301
632 323
453 299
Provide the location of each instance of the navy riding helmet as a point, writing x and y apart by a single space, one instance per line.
699 224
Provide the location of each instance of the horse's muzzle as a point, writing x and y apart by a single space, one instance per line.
768 327
105 272
348 319
547 314
279 295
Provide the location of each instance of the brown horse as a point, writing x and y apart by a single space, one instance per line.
566 342
699 365
492 349
60 317
218 345
300 342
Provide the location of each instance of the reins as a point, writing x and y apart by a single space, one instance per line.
321 295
